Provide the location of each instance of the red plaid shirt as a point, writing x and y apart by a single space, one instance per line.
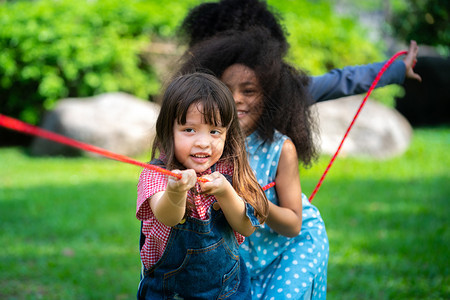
156 233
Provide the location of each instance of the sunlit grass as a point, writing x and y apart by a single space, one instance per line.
387 222
68 226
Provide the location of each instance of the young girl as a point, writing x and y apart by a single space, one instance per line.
287 258
192 228
280 267
209 19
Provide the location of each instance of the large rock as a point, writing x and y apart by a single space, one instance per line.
379 131
117 122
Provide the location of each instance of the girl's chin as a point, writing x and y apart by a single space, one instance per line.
200 169
245 126
247 130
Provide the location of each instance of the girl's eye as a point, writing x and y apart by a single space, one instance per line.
215 131
251 90
188 130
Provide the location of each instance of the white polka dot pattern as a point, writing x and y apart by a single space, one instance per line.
281 267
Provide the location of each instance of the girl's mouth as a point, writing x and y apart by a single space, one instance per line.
200 158
242 113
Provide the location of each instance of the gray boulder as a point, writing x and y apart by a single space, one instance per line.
379 132
117 122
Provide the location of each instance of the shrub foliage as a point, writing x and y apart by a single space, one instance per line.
53 49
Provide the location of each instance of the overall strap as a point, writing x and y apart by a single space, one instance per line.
160 163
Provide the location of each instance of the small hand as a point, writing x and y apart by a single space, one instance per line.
216 185
410 61
183 184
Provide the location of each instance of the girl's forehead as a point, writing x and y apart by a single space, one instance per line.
239 74
198 113
195 108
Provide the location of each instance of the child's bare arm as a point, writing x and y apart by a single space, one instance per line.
169 206
231 204
286 219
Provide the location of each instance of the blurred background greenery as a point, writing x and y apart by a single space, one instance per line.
56 49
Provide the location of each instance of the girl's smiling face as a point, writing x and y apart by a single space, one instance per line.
247 94
198 145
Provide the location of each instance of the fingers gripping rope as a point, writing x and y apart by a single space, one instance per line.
20 126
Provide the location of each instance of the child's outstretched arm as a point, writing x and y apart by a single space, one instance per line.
169 206
286 218
231 204
353 80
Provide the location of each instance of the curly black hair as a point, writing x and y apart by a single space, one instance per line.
285 96
210 18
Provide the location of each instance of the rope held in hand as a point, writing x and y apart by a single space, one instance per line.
23 127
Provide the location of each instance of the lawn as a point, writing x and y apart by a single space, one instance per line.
68 226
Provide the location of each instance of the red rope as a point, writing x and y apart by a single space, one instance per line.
23 127
374 83
268 186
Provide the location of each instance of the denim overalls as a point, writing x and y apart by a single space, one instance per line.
201 261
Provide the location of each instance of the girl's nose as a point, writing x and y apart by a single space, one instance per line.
202 141
237 98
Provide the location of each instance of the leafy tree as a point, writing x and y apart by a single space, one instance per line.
426 21
53 49
321 40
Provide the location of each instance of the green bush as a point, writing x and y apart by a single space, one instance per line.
55 49
322 40
52 49
424 21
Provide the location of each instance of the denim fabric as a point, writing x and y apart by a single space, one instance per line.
353 80
201 261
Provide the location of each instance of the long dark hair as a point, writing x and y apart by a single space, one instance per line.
218 105
286 99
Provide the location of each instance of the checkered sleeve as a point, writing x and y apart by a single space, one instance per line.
150 183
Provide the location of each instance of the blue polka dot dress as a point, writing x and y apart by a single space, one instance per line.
281 267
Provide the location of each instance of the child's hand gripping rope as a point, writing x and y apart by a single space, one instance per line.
20 126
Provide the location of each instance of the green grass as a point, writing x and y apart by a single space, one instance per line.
387 222
68 226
